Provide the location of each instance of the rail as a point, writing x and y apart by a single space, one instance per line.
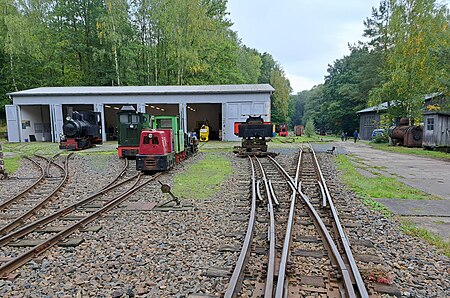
238 273
18 221
329 243
342 235
282 281
6 203
40 248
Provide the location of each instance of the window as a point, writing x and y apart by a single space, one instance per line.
369 120
430 124
134 119
155 141
164 123
123 118
146 140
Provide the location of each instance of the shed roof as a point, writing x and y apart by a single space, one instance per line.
381 107
156 90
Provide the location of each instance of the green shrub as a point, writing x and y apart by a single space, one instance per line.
380 138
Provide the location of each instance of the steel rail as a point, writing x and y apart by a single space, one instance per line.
282 284
40 248
268 292
49 162
238 273
272 192
342 235
328 240
18 221
6 203
62 212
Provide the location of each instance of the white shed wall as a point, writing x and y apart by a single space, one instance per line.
234 106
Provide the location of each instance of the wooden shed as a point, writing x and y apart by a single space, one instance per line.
436 134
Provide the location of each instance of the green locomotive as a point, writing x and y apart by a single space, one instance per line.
130 125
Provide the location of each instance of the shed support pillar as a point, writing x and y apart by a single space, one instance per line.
141 107
98 107
183 116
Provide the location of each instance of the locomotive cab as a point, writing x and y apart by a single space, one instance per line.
155 150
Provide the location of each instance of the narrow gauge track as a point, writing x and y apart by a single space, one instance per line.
60 224
322 265
28 203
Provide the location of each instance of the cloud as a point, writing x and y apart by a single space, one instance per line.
300 83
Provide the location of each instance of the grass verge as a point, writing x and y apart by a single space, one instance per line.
379 186
202 179
412 151
369 188
430 237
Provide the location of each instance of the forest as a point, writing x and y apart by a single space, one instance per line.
406 54
127 42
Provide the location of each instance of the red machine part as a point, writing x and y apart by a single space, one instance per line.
237 124
125 151
156 142
69 144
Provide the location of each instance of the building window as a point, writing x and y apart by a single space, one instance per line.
369 120
430 124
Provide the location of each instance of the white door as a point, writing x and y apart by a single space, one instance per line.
12 122
57 122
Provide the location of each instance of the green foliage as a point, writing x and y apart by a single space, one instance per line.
412 151
119 42
411 229
380 138
202 179
418 30
309 128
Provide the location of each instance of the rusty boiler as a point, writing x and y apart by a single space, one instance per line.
406 135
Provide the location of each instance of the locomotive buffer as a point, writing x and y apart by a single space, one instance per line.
255 134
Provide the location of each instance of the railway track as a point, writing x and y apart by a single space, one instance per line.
30 240
295 245
18 209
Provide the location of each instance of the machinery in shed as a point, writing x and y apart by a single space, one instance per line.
254 133
130 124
406 135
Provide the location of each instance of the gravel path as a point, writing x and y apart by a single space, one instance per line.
188 253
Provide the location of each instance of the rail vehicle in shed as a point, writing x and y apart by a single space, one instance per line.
255 134
130 124
81 130
164 145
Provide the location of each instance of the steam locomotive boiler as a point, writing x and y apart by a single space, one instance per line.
406 135
81 130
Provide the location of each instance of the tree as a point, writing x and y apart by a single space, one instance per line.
415 28
309 128
280 98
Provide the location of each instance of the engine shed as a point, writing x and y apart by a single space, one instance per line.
38 114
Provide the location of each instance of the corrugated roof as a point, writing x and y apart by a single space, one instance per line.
380 107
133 90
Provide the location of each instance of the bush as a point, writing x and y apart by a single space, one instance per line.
309 128
380 138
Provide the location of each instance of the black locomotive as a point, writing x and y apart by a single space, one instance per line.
254 133
81 130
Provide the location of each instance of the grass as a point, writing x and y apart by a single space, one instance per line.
430 237
412 151
202 179
15 151
368 188
379 186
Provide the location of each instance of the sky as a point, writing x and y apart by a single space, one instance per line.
304 36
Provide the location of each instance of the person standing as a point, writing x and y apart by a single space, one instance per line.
356 135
